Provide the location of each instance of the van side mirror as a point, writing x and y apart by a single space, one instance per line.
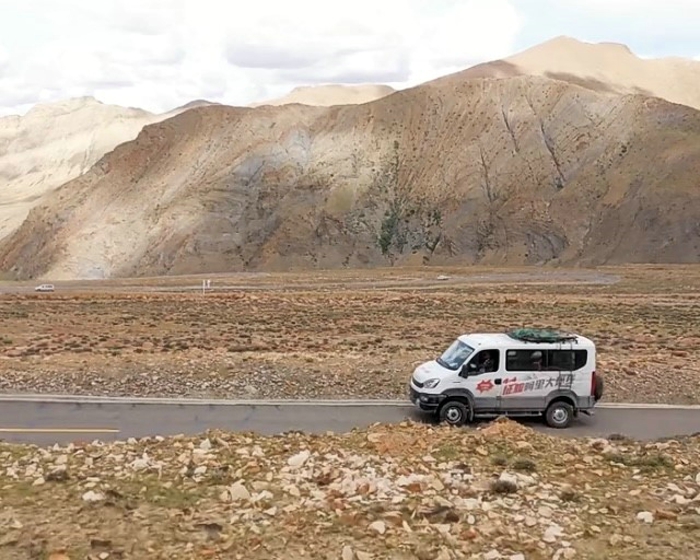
467 369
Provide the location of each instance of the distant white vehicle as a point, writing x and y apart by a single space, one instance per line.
521 373
45 288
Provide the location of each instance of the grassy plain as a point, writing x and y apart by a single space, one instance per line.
336 334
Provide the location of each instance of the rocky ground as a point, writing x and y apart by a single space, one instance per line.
304 342
404 492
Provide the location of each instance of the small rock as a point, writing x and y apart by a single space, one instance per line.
517 557
492 554
347 553
59 474
544 511
378 527
205 445
39 481
92 496
363 555
509 478
665 514
238 492
615 539
552 533
437 484
645 517
564 554
299 459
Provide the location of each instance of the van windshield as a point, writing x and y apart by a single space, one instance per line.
454 357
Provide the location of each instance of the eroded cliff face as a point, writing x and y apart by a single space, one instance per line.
502 171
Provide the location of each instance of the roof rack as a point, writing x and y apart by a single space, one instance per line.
540 335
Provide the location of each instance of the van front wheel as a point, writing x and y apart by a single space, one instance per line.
454 413
559 415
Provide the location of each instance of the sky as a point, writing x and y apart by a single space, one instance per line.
161 54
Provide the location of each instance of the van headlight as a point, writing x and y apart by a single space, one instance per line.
431 383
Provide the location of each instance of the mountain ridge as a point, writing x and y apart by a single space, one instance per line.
327 187
487 166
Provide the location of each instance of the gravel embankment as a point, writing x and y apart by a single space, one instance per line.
404 492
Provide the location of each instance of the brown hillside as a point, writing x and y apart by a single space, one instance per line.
520 170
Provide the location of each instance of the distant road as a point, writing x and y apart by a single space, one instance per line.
46 420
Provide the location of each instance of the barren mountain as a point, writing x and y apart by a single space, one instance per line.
519 170
54 143
603 67
331 94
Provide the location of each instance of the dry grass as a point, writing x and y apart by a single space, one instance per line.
334 335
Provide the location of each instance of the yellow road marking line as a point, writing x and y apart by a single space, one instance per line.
59 430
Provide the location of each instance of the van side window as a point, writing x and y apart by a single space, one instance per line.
486 361
567 360
545 360
524 360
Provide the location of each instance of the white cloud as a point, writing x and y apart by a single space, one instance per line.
158 54
4 57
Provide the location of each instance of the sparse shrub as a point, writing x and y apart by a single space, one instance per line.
569 495
503 487
499 460
526 465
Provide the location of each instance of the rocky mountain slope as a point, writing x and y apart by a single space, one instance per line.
519 170
54 143
602 67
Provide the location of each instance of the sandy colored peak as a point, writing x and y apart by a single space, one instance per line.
613 68
331 94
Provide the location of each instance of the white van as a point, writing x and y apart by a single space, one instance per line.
524 372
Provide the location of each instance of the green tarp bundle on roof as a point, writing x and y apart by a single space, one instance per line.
540 335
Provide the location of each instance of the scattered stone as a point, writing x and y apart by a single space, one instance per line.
92 496
298 460
238 492
361 499
552 533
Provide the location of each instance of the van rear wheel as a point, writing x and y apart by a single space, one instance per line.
454 413
559 415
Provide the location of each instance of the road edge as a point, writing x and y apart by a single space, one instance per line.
189 401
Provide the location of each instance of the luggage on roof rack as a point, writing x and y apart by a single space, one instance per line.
540 335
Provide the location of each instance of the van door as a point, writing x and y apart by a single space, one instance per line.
483 378
526 381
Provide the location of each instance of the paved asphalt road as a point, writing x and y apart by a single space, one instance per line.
47 421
